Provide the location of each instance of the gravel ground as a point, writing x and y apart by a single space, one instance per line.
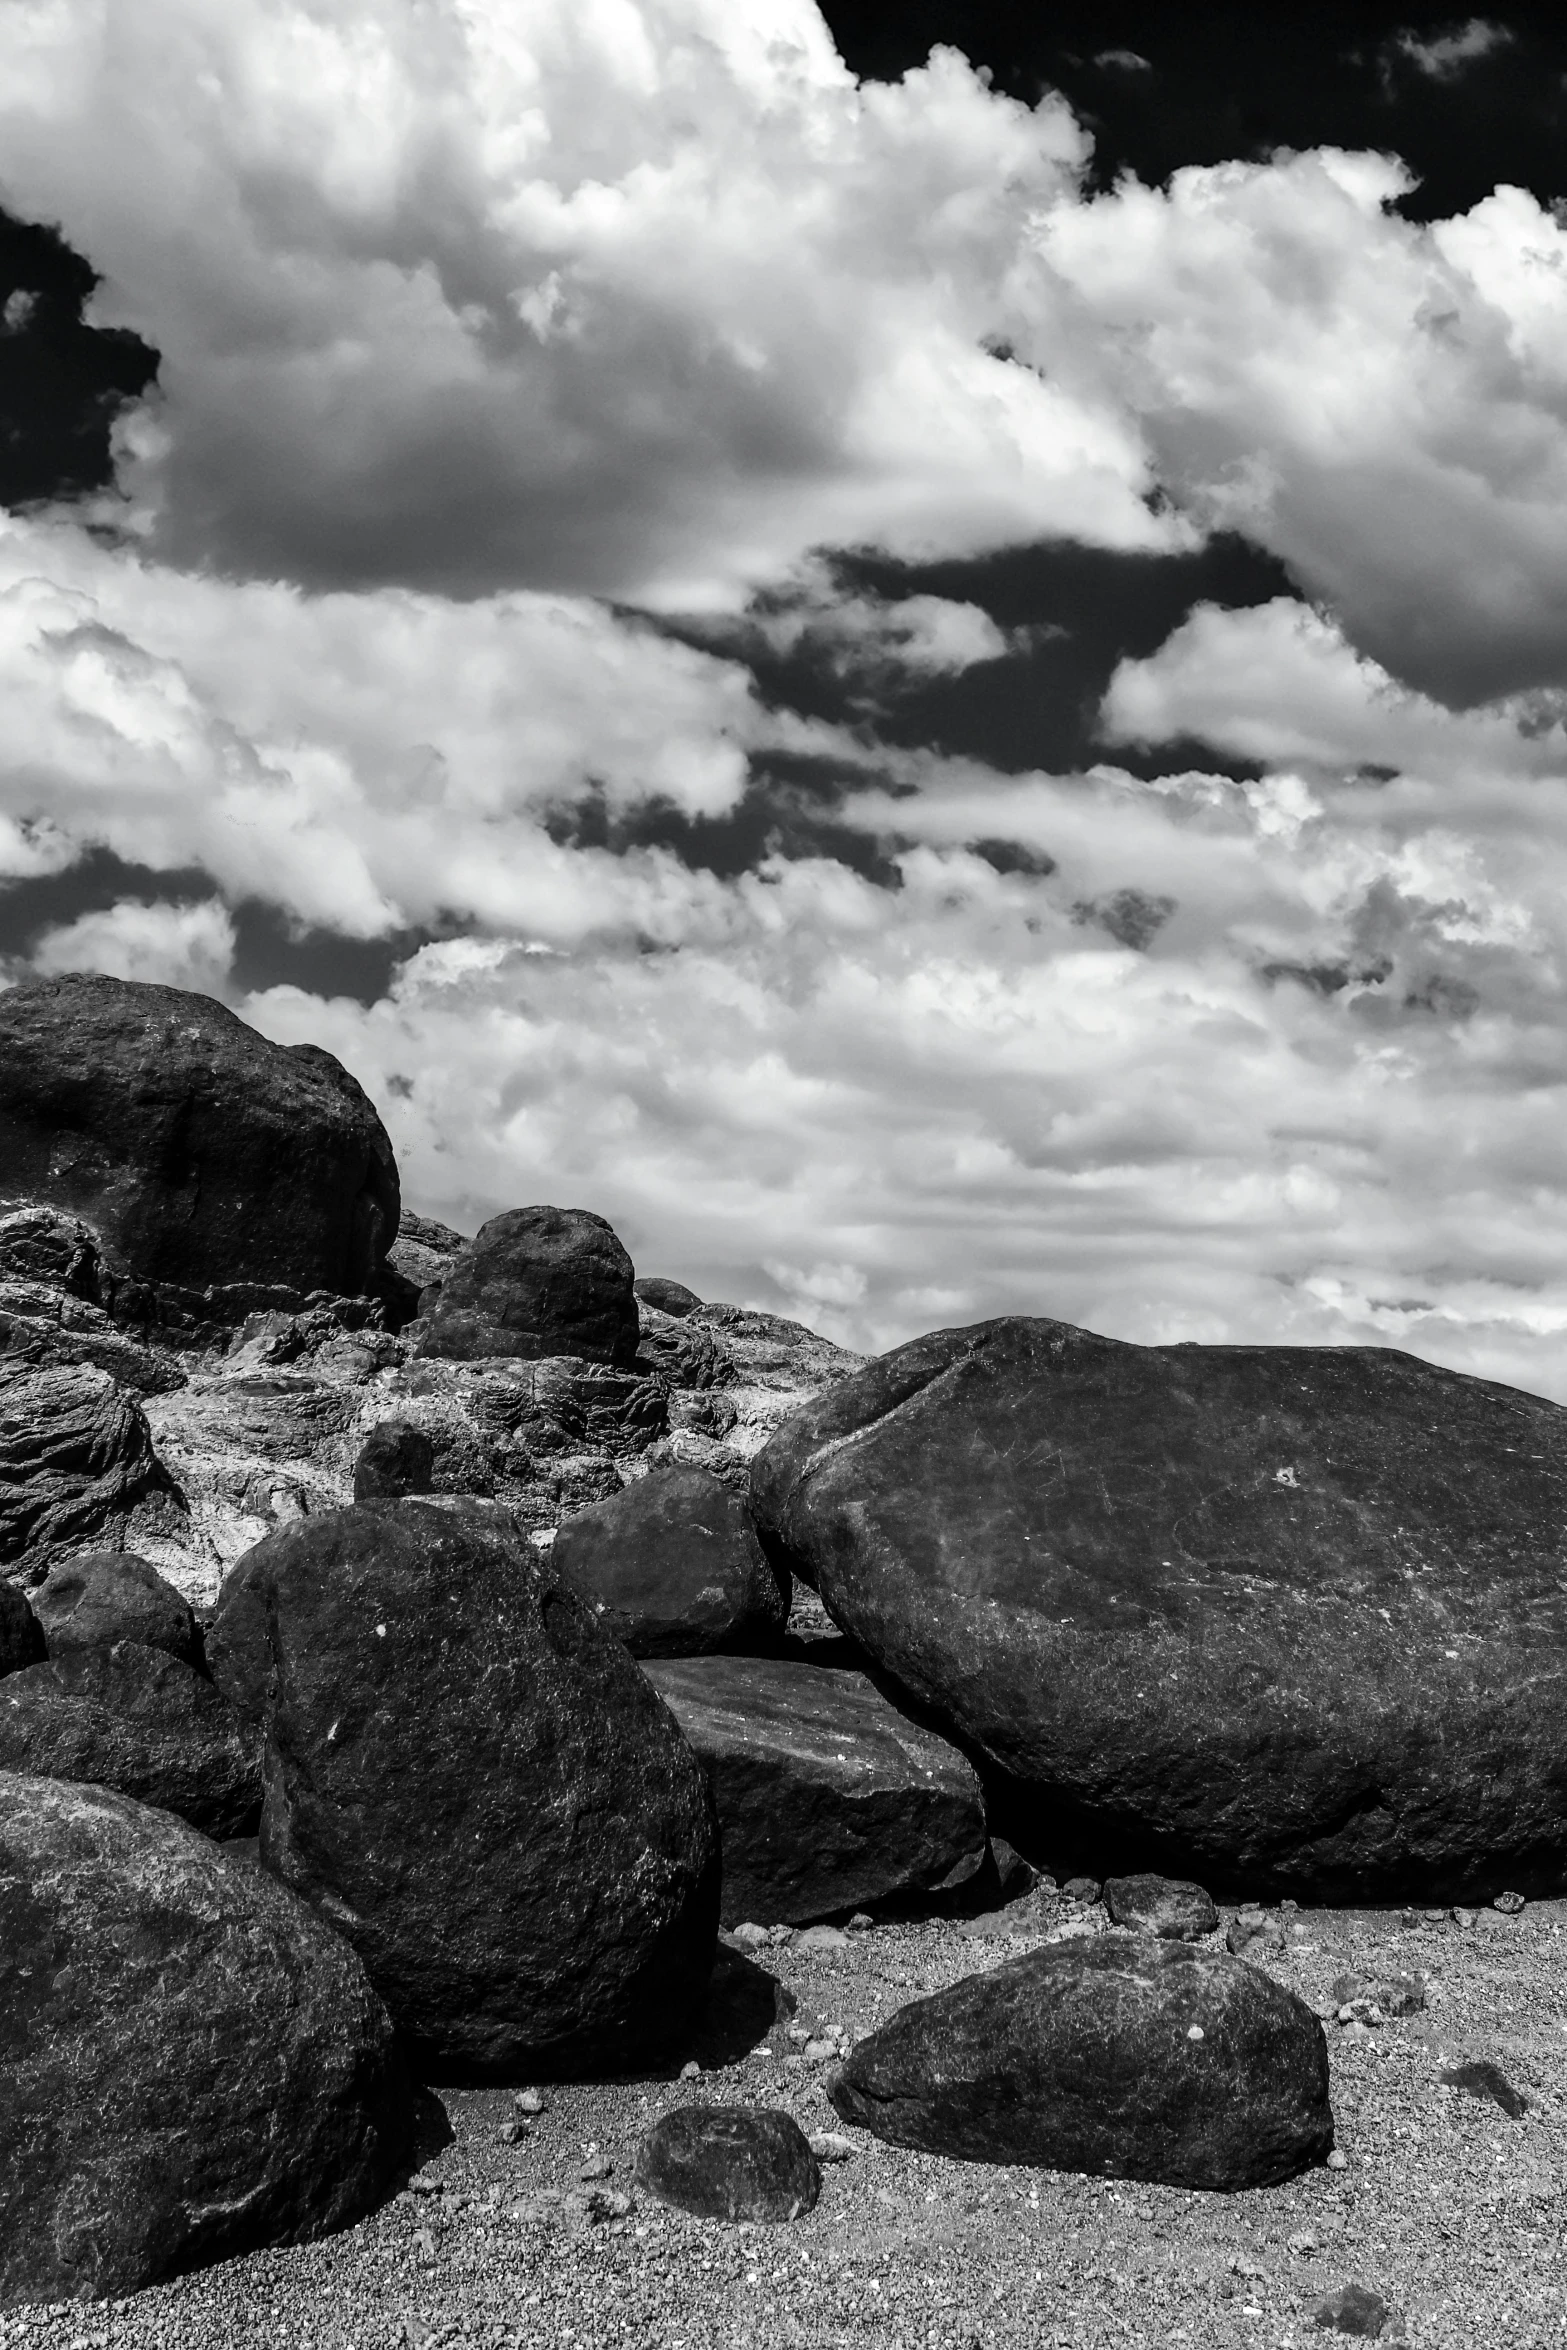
1447 2208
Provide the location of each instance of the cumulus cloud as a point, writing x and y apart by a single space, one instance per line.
1444 55
646 301
176 946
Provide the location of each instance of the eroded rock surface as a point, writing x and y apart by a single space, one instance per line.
1282 1619
191 2063
671 1565
77 1466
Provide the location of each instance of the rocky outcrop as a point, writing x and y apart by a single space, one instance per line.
1281 1619
536 1282
1123 2056
827 1797
729 2162
137 1720
77 1466
671 1565
477 1788
102 1596
395 1459
218 1171
191 2063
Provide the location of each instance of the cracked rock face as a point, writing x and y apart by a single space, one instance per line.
191 2064
1279 1619
77 1465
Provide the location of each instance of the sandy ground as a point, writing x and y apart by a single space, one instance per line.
1447 2208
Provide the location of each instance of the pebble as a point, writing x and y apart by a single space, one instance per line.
1509 1904
1338 2159
691 2071
832 2146
861 1922
750 1937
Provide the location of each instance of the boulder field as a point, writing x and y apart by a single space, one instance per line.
1288 1620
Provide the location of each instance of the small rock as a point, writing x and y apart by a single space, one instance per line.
530 2101
1508 1903
1303 2243
691 2071
598 2166
1481 2078
818 2051
1165 1906
833 2146
731 2162
1353 2309
1015 1875
1387 1994
425 2243
750 1937
513 2133
1083 1889
1338 2159
861 1922
1462 1917
778 1936
822 1938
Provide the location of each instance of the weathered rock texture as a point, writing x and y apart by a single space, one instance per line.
671 1565
827 1797
534 1282
137 1720
77 1466
21 1635
1282 1619
733 2162
209 1161
1122 2056
191 2064
1165 1906
101 1596
667 1297
476 1786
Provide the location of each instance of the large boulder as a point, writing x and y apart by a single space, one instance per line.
101 1596
535 1282
1279 1619
77 1466
1122 2056
671 1565
204 1156
827 1797
191 2064
137 1720
476 1786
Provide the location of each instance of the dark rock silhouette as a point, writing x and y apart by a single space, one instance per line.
1122 2056
827 1798
396 1458
476 1786
1282 1619
668 1297
76 1462
191 2064
733 2162
22 1640
100 1596
671 1565
534 1282
139 1721
1176 1912
209 1161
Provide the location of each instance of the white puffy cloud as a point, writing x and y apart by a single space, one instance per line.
646 300
176 946
1443 56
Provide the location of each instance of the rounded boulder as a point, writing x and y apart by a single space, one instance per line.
671 1565
202 1154
536 1282
191 2064
477 1787
731 2162
102 1596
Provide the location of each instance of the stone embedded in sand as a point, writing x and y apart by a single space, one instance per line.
1166 1906
1353 2309
671 1565
1122 2056
731 2162
476 1786
826 1796
191 2064
1201 1602
97 1597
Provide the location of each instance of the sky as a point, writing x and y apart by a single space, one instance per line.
920 654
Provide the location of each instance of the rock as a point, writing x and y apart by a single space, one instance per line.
138 1720
733 2162
1391 1994
1508 1903
1015 1876
667 1297
191 2064
1255 1935
672 1567
1121 2056
77 1465
1478 2078
771 1367
534 1282
1081 1889
1353 2309
52 1287
423 1251
832 2146
476 1786
827 1798
1121 1574
204 1156
21 1635
1161 1905
682 1353
101 1596
829 1938
396 1458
